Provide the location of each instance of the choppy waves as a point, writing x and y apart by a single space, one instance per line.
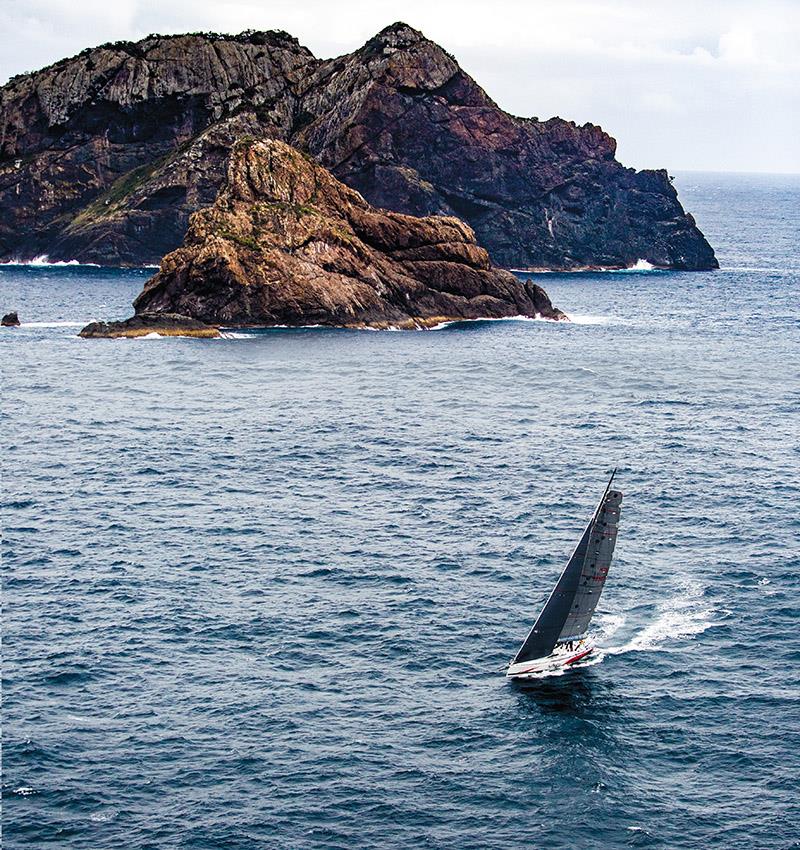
53 324
263 594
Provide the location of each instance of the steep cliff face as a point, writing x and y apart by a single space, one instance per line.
104 156
402 123
285 243
144 214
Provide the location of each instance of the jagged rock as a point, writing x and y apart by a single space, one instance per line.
286 243
402 123
145 215
142 324
104 156
10 320
93 161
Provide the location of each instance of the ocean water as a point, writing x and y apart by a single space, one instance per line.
259 591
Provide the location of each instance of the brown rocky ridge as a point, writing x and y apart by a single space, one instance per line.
104 156
286 243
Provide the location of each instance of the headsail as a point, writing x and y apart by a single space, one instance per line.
569 609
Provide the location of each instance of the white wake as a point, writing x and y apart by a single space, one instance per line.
685 615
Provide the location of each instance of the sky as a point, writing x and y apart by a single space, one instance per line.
707 85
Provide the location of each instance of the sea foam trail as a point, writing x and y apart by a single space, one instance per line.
684 615
607 626
441 326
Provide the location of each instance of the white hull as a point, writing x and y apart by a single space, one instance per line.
558 659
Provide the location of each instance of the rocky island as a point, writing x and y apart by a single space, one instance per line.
104 156
286 243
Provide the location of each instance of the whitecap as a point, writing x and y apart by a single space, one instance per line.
230 334
640 266
494 319
44 260
256 332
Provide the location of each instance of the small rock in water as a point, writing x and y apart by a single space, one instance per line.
10 320
143 324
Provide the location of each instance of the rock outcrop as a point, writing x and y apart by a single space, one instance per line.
402 123
104 156
10 320
144 324
286 243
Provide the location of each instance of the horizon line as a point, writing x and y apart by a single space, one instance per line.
742 172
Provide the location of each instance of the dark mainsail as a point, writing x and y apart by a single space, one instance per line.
569 609
602 539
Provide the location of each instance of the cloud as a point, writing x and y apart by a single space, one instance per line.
738 45
688 84
660 102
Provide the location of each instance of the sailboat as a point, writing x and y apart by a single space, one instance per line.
559 636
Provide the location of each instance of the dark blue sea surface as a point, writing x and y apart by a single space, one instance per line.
259 591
